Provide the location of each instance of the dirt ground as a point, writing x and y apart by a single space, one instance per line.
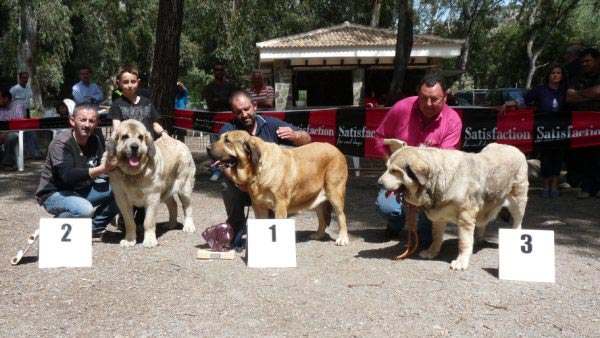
356 290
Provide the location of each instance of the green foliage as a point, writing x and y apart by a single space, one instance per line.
105 34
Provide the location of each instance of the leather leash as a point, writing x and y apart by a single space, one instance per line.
413 236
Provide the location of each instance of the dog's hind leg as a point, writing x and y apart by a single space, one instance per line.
172 207
185 196
324 215
516 206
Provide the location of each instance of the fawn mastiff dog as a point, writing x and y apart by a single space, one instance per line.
287 180
149 173
457 187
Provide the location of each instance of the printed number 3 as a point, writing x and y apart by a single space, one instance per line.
273 233
526 247
67 228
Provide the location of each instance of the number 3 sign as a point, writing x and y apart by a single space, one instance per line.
526 255
271 243
65 242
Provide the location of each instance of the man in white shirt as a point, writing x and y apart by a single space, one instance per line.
86 91
22 92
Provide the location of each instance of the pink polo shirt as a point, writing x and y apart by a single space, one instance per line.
404 122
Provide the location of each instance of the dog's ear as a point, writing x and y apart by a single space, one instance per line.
252 149
150 144
111 147
394 144
418 171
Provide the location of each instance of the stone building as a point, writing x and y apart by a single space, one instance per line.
338 65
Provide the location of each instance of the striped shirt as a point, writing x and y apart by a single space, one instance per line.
267 92
14 110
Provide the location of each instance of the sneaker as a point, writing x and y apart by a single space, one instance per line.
546 193
583 195
564 185
215 176
554 193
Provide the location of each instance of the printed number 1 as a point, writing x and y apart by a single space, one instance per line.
527 247
273 233
67 228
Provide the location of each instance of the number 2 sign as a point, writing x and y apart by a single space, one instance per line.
65 242
271 243
526 255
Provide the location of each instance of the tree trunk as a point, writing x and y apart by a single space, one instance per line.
404 41
165 64
375 13
28 51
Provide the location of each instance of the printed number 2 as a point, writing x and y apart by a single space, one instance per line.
273 233
67 228
527 247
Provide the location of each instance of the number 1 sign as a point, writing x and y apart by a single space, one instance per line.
271 243
526 255
65 242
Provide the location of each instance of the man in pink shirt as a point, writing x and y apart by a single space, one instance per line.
420 121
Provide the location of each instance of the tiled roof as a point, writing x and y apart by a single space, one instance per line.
351 35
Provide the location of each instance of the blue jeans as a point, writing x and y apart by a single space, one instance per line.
395 214
71 204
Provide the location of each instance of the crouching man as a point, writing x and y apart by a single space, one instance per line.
71 185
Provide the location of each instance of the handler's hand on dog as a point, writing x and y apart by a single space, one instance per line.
286 133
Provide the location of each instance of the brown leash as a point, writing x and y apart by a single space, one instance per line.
413 237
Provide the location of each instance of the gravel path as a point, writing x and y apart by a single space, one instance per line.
357 290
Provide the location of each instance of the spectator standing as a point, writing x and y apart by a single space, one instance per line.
584 95
420 121
549 98
22 92
71 184
130 105
9 141
218 91
263 94
85 91
217 94
182 96
269 129
572 62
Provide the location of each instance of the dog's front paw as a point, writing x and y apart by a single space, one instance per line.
428 254
150 240
189 227
460 263
342 240
125 243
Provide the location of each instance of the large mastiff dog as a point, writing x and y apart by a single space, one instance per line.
457 187
149 172
287 180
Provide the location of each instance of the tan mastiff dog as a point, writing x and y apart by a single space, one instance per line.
452 186
287 180
149 173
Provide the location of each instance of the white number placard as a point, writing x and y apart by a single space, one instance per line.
65 242
526 255
271 243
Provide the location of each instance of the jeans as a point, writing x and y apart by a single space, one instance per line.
235 202
31 141
71 204
395 214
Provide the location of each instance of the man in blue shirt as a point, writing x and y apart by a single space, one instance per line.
85 91
269 129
